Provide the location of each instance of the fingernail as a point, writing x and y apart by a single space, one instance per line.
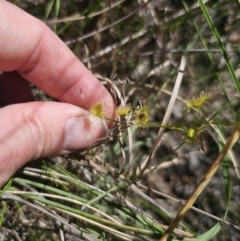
83 132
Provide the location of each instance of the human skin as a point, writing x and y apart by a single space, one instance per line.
30 51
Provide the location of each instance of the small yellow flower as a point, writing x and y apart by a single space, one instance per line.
123 110
197 102
97 110
141 116
192 134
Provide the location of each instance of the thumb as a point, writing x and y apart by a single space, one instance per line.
38 129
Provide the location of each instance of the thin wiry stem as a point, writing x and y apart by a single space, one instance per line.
198 190
166 116
78 17
85 36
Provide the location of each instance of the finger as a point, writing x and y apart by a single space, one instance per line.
42 58
14 89
38 129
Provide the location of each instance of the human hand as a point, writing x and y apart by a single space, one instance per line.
30 51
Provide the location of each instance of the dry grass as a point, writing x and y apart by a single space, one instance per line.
132 185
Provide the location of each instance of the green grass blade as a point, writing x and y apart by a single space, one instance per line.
49 9
210 233
2 213
57 7
221 46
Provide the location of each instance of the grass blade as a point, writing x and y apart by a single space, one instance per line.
221 46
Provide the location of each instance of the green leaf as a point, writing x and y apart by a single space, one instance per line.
210 233
57 7
49 9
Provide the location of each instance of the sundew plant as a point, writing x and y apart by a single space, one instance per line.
169 168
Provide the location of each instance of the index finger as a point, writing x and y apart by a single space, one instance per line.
28 46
